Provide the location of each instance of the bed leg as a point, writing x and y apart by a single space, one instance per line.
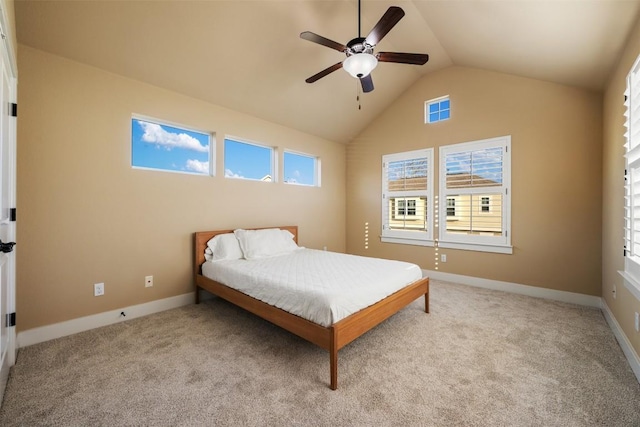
197 295
333 360
426 302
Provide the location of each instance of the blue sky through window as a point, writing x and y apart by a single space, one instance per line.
299 169
438 110
248 161
164 147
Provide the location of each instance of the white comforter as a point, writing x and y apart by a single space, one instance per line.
323 287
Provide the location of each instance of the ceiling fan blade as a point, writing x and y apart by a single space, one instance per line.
391 17
403 58
324 72
313 37
367 83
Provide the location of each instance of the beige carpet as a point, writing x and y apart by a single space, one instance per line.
481 358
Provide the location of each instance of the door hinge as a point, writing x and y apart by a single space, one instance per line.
13 109
12 214
11 319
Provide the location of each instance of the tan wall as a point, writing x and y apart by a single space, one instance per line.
625 305
556 174
85 216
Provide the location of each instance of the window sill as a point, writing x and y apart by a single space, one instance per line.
477 247
415 242
631 284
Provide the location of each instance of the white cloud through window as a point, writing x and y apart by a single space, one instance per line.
228 173
197 166
156 134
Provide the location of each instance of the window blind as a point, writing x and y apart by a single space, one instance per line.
631 235
474 181
632 154
406 195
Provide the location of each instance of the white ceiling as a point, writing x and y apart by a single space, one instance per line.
248 56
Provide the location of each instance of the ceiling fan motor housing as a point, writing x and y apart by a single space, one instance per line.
359 45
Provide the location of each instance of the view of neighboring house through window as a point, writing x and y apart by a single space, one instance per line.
437 110
474 180
301 169
485 202
406 208
451 206
160 146
407 192
247 160
631 271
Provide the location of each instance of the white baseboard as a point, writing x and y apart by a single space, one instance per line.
69 327
627 348
515 288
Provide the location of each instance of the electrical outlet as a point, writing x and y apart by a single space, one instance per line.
614 291
148 281
443 257
98 289
637 322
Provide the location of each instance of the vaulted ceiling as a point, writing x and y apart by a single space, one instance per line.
248 56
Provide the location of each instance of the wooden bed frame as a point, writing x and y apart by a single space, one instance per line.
331 338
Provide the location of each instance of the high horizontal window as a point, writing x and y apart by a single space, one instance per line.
474 181
407 191
301 169
161 146
247 160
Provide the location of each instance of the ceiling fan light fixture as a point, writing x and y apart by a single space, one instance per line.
359 65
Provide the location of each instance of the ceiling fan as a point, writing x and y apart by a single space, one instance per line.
360 59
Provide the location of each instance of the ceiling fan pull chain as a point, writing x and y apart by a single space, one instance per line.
358 95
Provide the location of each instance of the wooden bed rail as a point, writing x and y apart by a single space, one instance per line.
331 338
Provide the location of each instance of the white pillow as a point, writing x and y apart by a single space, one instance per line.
265 243
223 246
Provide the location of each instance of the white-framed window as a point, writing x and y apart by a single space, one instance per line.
485 204
248 160
451 206
475 179
437 110
406 208
301 169
631 271
407 194
159 145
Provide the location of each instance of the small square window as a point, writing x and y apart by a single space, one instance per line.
437 110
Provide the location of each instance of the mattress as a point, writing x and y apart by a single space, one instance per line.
320 286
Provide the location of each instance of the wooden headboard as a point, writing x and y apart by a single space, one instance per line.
202 237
